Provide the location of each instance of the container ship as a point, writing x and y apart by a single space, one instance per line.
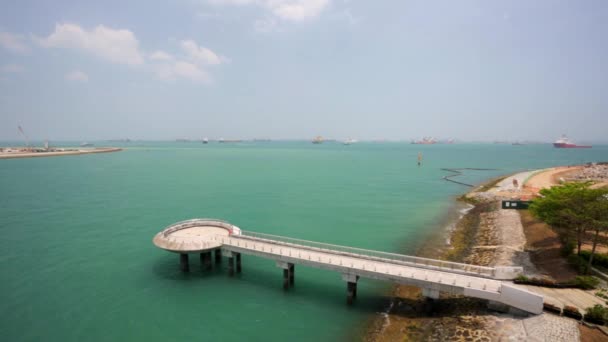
425 141
564 142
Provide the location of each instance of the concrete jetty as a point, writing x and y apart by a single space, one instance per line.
211 236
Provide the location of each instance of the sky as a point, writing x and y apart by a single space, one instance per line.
294 69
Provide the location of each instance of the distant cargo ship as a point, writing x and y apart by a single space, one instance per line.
564 142
425 141
222 140
86 144
317 140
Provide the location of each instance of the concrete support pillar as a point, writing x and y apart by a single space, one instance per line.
430 293
291 268
206 260
351 292
238 262
351 287
288 278
218 256
231 266
285 278
183 262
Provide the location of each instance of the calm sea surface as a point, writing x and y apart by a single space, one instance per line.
77 262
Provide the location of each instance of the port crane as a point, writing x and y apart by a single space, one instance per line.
27 140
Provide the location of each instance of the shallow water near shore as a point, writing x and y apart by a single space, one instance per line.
78 262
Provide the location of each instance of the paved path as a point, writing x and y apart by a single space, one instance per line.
547 328
562 297
507 183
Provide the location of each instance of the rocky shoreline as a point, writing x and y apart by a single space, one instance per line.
409 317
484 235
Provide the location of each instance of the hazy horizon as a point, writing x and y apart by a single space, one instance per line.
294 69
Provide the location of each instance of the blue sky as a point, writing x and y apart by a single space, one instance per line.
479 70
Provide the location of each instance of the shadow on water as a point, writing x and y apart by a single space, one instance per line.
167 268
264 280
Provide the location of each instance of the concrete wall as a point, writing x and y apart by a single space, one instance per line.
521 299
513 296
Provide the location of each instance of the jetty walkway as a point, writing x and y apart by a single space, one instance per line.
210 236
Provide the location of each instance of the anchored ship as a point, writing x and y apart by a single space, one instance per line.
564 142
425 141
317 140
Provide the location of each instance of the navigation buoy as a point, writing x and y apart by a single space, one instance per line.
419 159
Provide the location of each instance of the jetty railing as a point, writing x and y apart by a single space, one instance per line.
484 271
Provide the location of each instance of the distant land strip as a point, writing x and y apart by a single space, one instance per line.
29 154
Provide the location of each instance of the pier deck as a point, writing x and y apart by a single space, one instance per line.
433 276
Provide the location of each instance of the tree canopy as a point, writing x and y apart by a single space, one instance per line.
576 207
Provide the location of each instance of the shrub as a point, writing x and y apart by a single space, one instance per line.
545 282
568 247
552 308
596 314
539 282
578 263
581 282
586 282
572 312
598 259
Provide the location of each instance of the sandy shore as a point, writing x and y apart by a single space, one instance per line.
486 235
67 152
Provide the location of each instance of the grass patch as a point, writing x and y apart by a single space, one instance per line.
470 200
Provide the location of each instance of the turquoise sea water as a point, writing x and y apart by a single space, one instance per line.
78 264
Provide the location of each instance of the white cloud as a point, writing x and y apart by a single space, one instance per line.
13 42
77 76
12 68
296 10
121 46
160 56
289 10
199 53
181 69
118 46
190 64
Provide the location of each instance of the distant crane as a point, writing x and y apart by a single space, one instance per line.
27 140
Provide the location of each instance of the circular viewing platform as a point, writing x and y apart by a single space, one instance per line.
193 236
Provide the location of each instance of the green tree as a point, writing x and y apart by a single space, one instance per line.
566 206
598 214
